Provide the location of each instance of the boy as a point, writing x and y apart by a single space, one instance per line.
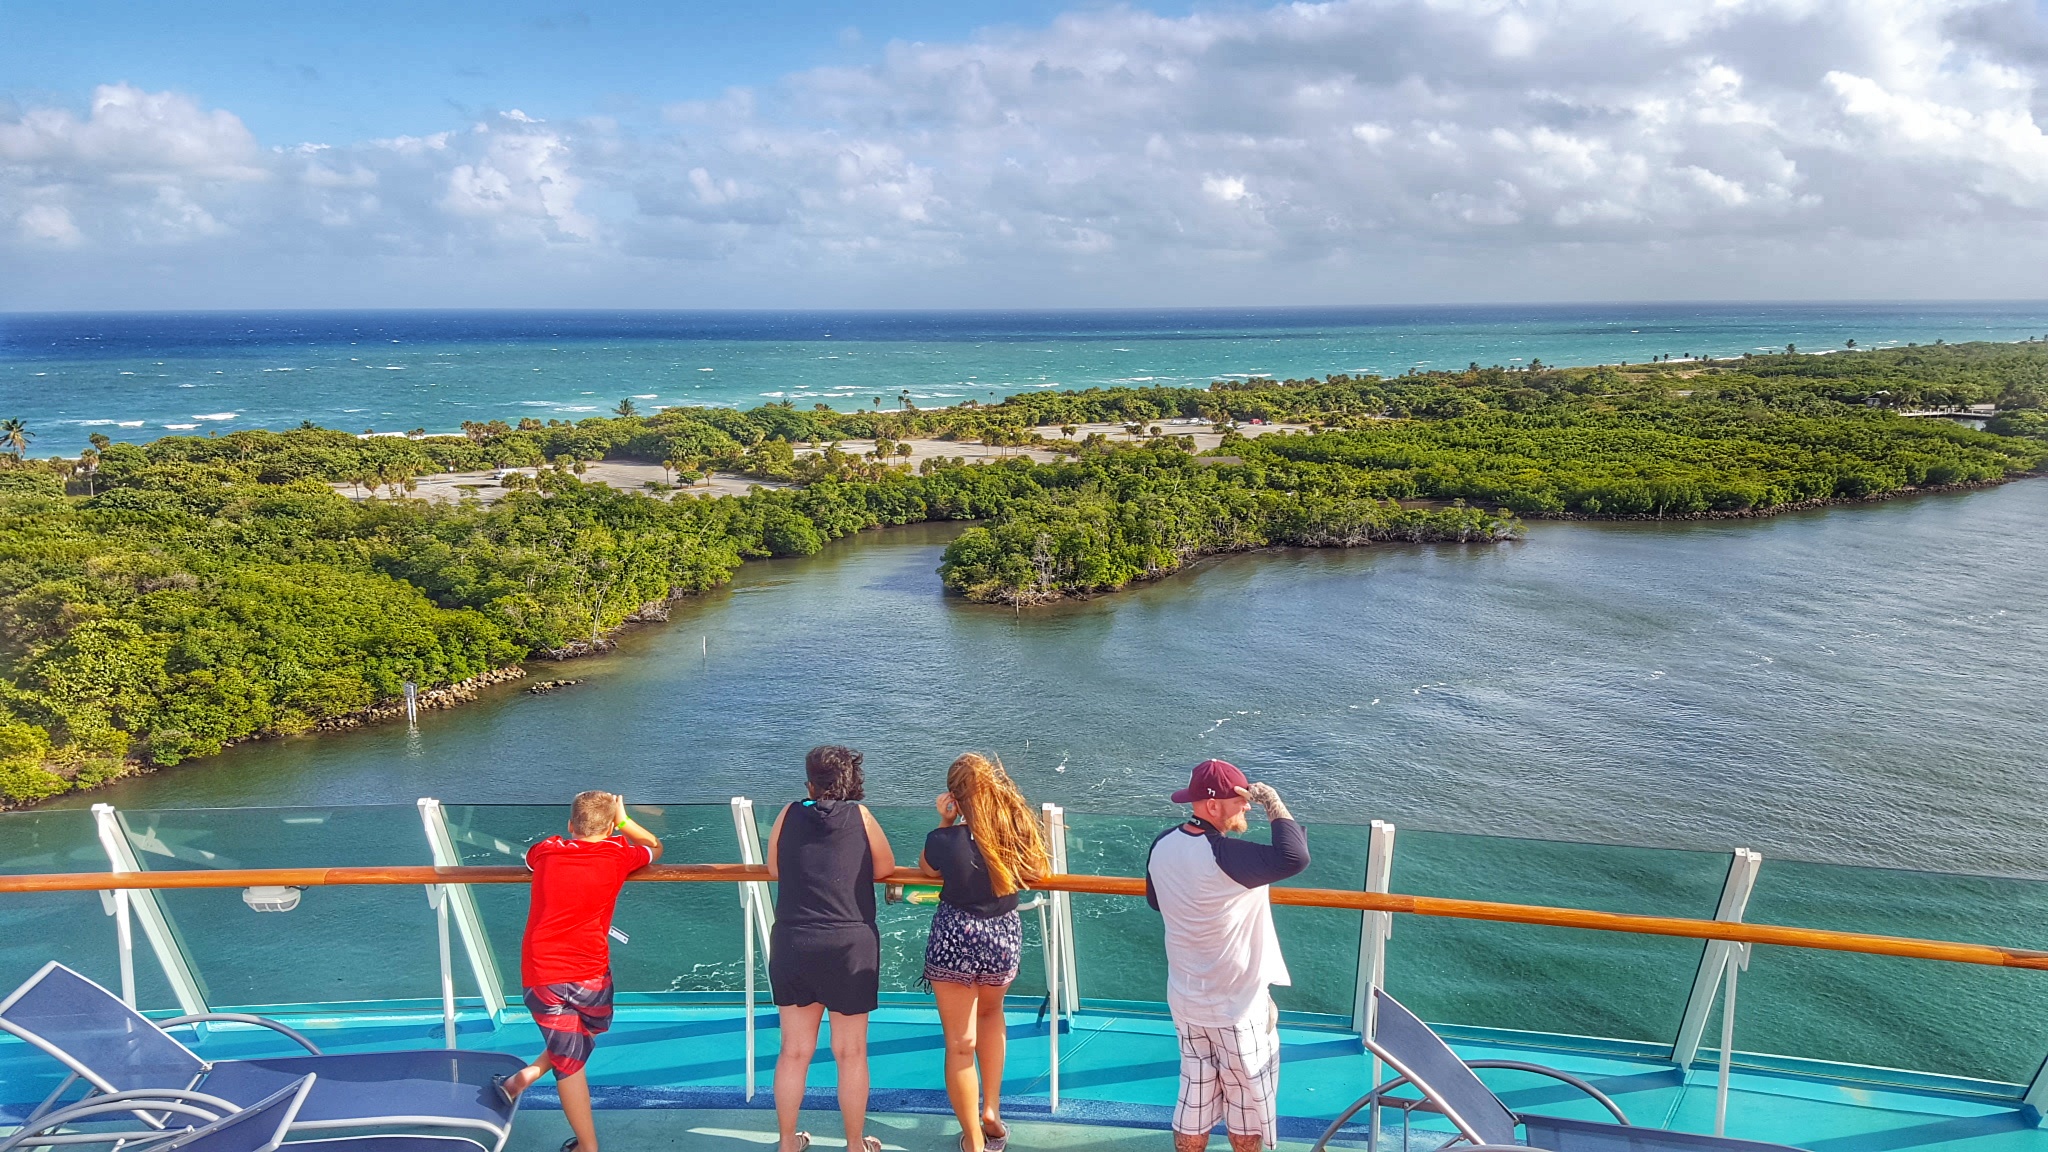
565 960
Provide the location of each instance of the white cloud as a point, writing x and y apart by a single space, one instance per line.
1472 148
49 224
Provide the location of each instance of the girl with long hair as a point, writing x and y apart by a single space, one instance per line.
985 849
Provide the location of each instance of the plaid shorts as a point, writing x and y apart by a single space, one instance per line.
570 1017
1231 1074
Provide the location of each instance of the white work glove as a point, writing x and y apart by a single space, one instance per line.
1265 797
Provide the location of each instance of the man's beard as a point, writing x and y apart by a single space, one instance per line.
1238 823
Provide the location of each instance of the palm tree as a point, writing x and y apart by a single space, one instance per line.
88 463
14 437
626 408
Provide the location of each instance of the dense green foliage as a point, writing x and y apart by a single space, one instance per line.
1139 513
160 601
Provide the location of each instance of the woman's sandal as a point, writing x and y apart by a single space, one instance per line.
994 1141
803 1141
569 1145
871 1144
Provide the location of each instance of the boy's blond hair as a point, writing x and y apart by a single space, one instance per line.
590 814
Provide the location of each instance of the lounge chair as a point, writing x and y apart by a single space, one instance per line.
261 1127
1420 1058
118 1052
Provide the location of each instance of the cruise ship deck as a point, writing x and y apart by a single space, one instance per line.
1813 1026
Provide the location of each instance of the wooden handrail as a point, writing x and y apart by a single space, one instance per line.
1819 938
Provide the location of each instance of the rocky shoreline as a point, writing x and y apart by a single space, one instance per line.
434 699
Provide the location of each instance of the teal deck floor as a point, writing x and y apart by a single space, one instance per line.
1118 1075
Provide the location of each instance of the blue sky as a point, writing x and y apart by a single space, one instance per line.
779 153
322 71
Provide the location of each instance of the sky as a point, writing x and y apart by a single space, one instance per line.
816 153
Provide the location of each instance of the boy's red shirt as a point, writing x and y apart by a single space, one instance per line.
575 886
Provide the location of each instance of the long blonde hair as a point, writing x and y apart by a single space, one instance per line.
1000 820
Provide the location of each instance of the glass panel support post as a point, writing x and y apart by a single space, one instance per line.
747 980
117 905
1374 930
1738 960
438 898
1706 983
147 905
1062 907
468 921
1056 930
753 893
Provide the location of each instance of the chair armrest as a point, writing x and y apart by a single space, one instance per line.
241 1018
1561 1077
137 1102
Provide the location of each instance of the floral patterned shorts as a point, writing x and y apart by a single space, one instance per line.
966 949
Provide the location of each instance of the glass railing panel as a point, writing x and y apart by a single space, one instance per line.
681 937
904 927
71 928
1543 979
342 942
1962 1019
1120 952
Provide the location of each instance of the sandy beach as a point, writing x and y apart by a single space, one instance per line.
633 476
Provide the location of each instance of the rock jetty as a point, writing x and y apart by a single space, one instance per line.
434 698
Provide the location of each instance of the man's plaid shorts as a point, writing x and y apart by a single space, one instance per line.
1231 1074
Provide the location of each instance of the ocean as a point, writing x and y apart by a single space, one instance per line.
135 376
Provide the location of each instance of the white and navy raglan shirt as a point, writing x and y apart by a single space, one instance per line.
1221 950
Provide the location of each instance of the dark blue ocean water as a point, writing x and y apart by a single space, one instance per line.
138 376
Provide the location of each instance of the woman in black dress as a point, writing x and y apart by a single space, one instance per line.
985 848
825 953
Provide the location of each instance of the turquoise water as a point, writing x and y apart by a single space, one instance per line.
139 376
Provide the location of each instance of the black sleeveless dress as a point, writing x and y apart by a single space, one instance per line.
825 948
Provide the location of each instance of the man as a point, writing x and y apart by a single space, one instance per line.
1222 954
565 960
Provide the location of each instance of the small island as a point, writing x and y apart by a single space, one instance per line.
161 601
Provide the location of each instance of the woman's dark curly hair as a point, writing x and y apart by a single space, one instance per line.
834 770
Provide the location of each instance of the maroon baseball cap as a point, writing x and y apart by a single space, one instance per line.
1212 780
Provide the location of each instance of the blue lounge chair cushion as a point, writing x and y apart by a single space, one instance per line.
436 1085
97 1034
259 1128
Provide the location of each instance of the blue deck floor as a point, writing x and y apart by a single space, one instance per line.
1118 1072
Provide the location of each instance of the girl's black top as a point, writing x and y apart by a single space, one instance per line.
825 871
967 885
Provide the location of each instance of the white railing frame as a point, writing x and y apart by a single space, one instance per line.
1742 871
1062 908
1374 930
754 893
147 904
469 922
